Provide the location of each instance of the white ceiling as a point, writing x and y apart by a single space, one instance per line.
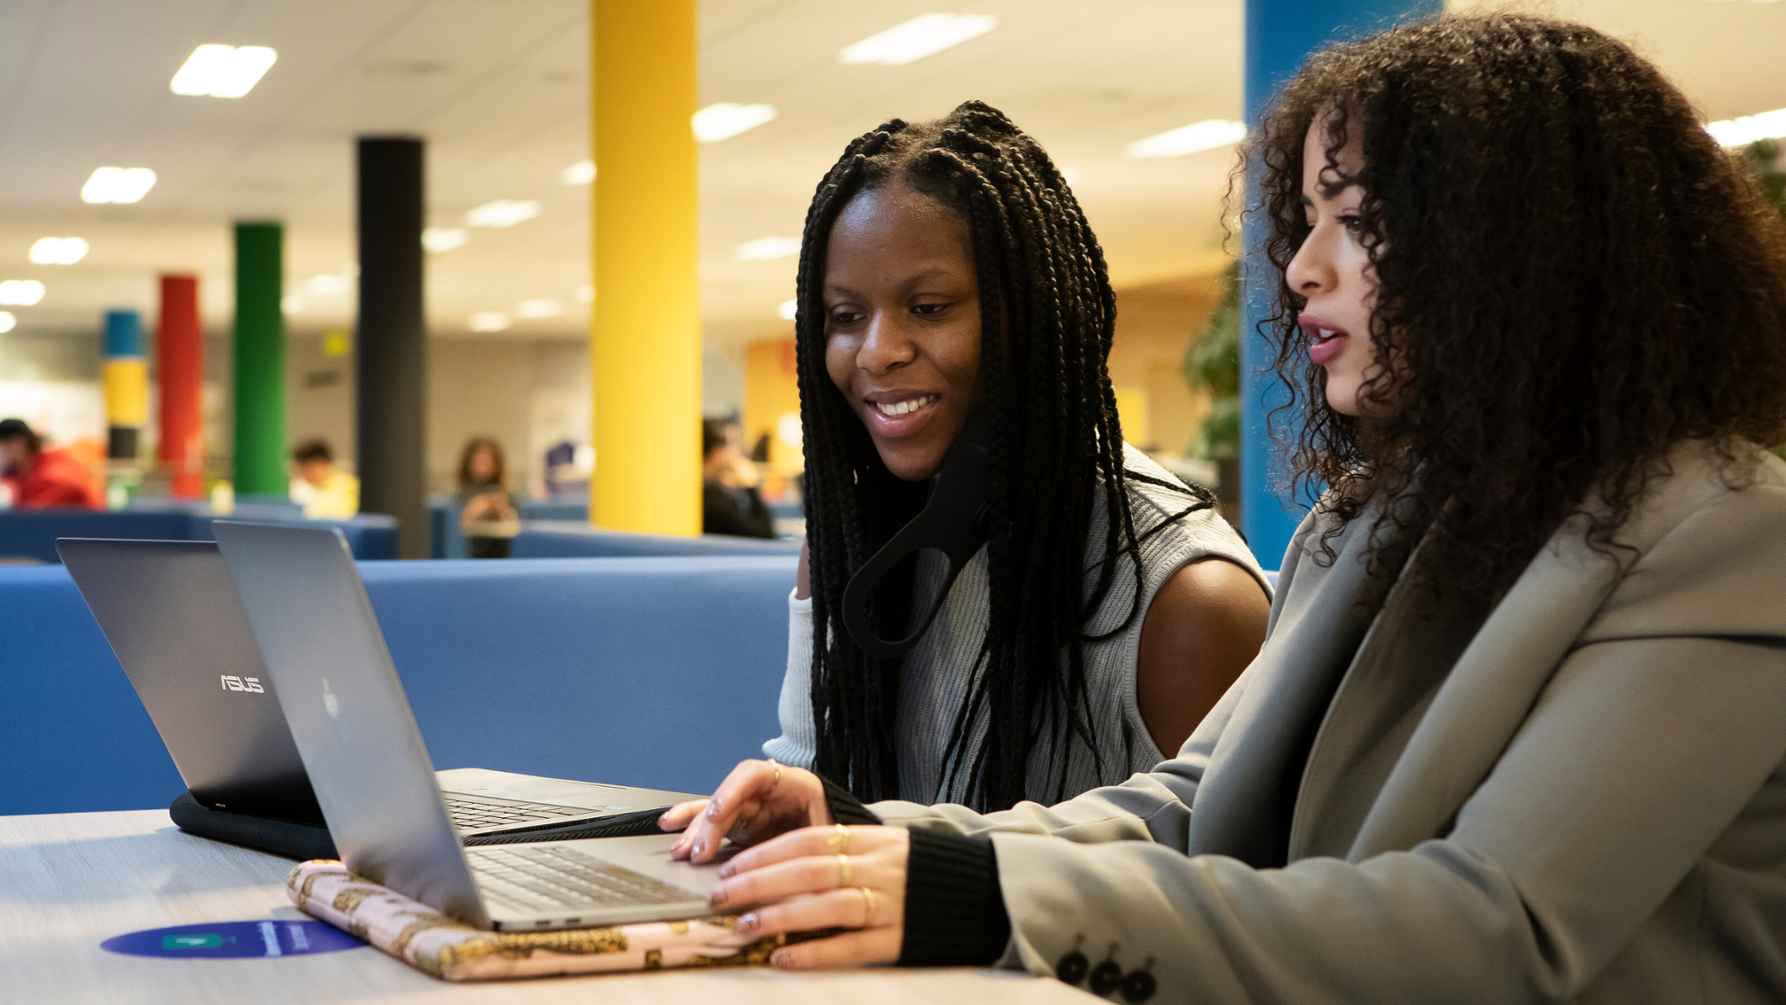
499 89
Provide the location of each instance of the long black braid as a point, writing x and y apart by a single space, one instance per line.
1048 317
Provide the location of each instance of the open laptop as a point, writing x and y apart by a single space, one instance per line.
353 727
170 612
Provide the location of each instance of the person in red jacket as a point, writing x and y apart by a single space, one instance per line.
41 478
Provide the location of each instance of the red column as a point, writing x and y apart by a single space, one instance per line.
180 372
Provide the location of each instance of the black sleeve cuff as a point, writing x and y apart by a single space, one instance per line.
845 808
954 908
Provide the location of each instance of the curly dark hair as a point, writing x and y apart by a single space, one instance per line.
1048 318
1571 278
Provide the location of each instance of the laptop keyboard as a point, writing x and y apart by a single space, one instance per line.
549 877
472 813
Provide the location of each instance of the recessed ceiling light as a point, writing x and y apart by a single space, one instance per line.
1740 132
580 173
326 284
533 310
503 213
489 321
58 250
1210 134
768 249
443 239
118 185
913 40
586 293
7 322
222 71
21 293
790 309
726 120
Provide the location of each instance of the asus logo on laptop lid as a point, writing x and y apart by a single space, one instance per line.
250 685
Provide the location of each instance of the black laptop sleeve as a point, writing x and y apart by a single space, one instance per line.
289 838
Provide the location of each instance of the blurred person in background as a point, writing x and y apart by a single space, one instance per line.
36 478
731 496
487 514
324 490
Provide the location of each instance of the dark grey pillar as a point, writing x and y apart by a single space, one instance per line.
391 345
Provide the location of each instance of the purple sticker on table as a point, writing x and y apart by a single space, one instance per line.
234 940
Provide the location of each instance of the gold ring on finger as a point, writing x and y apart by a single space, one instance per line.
867 906
843 871
838 841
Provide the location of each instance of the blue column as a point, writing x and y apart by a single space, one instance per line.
1280 34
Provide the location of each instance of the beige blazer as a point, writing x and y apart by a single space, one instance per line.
1587 802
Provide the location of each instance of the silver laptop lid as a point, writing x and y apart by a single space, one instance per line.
170 613
347 711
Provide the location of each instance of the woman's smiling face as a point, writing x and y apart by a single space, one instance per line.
902 324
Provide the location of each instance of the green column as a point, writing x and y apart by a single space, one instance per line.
259 360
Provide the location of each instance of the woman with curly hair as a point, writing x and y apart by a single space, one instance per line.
1518 730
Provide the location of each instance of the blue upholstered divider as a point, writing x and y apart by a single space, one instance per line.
32 534
660 672
574 540
445 540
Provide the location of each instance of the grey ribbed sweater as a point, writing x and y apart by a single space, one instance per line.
938 670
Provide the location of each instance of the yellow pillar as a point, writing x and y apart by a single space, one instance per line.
645 336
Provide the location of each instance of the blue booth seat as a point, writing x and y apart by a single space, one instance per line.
32 534
576 540
660 672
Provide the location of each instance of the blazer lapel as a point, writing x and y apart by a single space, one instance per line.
1486 696
1241 807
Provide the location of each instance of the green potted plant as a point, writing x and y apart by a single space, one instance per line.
1764 159
1212 365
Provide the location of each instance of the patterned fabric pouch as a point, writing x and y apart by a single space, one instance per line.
436 944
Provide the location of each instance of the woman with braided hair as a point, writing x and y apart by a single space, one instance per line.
947 274
1516 733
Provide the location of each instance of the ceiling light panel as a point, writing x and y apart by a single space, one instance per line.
489 321
117 185
439 240
1210 134
768 249
580 173
913 40
21 293
1740 132
725 120
503 213
222 71
58 250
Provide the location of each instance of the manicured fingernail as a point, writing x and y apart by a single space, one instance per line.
713 810
748 922
725 871
700 848
663 822
718 897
